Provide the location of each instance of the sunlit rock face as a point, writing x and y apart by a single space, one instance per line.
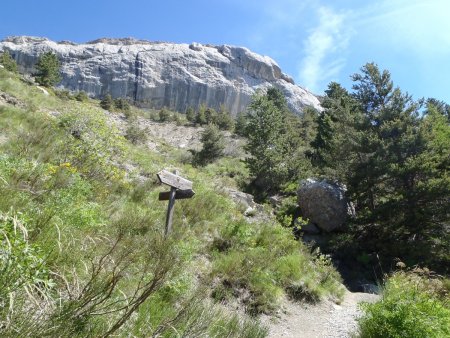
159 74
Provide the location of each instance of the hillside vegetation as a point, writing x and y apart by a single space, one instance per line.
81 233
82 245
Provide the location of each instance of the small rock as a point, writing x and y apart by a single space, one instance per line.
249 212
309 228
275 200
242 198
43 90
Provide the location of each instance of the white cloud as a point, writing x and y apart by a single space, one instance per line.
324 49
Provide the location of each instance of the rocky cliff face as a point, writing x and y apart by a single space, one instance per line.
156 74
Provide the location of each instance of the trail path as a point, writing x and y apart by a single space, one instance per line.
324 320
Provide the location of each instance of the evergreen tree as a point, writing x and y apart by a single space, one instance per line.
441 106
8 62
48 70
200 118
107 102
190 115
212 146
394 163
266 133
336 133
224 120
211 116
240 124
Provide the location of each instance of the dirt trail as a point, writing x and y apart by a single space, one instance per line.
324 320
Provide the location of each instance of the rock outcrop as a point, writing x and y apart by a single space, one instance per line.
159 74
324 204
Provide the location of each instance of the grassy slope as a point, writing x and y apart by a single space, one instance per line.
83 236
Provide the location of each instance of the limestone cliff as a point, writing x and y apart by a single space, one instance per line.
158 74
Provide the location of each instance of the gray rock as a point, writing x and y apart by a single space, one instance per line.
275 200
239 197
324 204
159 74
250 212
308 228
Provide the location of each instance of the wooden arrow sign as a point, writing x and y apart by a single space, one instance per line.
180 188
174 180
179 194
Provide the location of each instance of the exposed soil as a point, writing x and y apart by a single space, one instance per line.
323 320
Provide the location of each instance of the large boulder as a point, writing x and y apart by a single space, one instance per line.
324 204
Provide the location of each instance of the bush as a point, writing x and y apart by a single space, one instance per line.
412 305
8 62
190 115
81 96
21 263
107 102
164 115
135 134
63 94
261 262
122 105
200 117
48 70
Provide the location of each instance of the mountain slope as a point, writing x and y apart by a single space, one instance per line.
156 74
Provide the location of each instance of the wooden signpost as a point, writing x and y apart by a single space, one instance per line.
180 188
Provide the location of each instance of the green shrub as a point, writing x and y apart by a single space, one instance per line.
190 115
200 117
411 306
63 94
81 96
135 134
107 102
21 263
164 115
94 145
122 104
268 262
8 62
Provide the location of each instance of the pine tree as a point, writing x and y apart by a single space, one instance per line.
212 146
224 120
200 118
240 124
394 163
48 70
266 133
336 133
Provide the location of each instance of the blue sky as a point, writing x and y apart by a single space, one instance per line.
314 41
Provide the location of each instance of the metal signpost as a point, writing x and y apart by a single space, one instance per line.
180 188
